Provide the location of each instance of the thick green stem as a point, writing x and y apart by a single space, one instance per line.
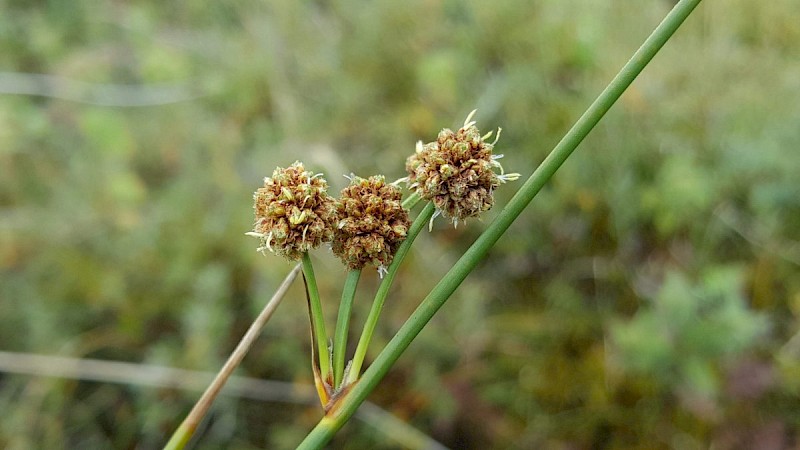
317 318
343 325
328 426
383 291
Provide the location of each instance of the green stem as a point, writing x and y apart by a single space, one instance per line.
180 437
317 319
383 291
347 406
343 325
411 201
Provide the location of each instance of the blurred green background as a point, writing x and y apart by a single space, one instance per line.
648 298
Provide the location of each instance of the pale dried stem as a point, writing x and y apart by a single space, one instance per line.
201 407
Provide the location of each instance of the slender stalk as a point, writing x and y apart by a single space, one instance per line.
187 428
317 318
337 417
411 201
343 325
383 291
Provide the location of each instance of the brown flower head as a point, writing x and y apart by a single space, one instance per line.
456 171
294 212
372 223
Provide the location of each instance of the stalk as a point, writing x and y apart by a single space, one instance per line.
411 201
343 325
383 292
317 319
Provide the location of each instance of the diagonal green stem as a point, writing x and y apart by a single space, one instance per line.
317 318
343 325
337 417
383 291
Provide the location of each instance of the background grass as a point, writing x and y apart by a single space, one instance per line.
649 297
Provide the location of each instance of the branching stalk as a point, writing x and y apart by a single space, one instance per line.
338 416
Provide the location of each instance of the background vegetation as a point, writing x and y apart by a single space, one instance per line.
648 298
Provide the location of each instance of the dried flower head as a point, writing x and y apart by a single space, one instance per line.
294 212
456 171
372 223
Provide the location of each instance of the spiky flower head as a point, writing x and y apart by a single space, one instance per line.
372 223
294 212
456 171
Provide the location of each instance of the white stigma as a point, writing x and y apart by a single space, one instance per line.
436 214
382 270
469 122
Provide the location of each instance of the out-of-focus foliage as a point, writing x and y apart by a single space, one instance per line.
688 331
648 298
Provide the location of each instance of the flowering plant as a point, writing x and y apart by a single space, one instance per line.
456 176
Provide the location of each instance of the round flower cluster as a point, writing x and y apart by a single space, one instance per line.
372 223
294 212
456 172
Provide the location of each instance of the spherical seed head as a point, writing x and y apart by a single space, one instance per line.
372 223
294 212
456 172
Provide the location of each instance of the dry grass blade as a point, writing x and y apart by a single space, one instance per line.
198 412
